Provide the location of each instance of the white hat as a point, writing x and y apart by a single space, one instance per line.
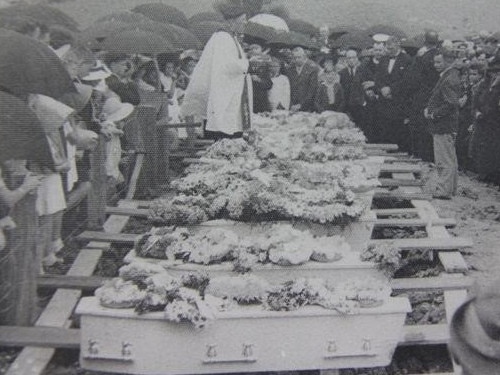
99 71
50 112
114 110
380 38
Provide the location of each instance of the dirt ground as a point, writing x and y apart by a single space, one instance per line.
477 211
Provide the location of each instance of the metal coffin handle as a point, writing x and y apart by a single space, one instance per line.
93 352
212 357
333 352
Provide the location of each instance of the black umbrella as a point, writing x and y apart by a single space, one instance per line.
302 27
386 29
125 16
338 31
21 135
42 13
204 29
160 12
259 32
95 34
29 66
359 40
137 42
206 16
292 39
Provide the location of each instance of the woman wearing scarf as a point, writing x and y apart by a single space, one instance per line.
330 96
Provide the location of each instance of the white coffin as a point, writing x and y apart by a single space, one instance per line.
356 233
349 267
246 339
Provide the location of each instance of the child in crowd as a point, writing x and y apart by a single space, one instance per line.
51 201
113 116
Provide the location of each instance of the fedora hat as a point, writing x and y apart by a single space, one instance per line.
475 334
114 110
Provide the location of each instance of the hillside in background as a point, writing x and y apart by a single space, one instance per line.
453 18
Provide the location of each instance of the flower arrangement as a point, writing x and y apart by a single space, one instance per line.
386 255
279 244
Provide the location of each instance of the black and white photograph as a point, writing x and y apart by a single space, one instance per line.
267 187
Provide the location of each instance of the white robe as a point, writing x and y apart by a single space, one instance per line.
216 86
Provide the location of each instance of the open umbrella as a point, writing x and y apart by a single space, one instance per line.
359 40
259 32
29 66
205 16
125 16
95 34
302 27
292 39
270 20
386 29
21 135
338 31
137 42
42 13
160 12
204 29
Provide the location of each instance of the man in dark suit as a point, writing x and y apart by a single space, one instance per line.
303 76
423 79
392 80
352 78
442 115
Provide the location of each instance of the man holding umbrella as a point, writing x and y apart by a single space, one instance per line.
220 89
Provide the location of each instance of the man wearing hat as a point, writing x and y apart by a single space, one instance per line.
475 333
220 88
442 114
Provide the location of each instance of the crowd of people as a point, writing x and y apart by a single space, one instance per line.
439 103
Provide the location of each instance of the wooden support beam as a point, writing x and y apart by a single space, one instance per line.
453 261
432 334
390 182
381 146
400 168
86 283
132 187
381 193
122 211
45 337
415 222
452 243
118 238
432 283
394 211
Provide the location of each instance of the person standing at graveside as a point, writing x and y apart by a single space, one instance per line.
220 88
486 134
330 96
188 60
261 78
51 201
354 78
442 116
423 78
279 94
120 82
303 76
475 333
392 80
